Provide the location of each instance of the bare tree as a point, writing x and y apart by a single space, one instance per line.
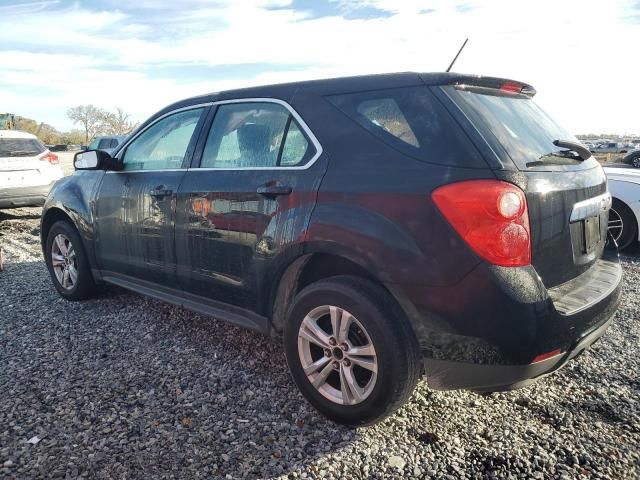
89 117
118 123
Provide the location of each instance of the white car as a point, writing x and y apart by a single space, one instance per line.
28 170
624 216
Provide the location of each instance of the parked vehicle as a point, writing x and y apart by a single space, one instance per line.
611 147
624 216
632 158
27 169
106 143
385 226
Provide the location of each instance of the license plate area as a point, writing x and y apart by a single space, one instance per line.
592 236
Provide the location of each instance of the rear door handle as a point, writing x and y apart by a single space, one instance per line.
274 190
161 192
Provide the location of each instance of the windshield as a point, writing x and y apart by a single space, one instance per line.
20 147
94 144
523 129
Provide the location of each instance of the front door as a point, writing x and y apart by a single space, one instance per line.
135 207
249 198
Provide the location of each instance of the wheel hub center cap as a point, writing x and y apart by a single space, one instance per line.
337 353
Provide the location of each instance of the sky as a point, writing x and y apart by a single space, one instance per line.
581 56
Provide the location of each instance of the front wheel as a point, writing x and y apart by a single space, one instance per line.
67 262
351 352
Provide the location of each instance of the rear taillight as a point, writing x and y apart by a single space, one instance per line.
52 158
491 216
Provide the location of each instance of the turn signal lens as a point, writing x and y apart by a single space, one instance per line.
491 217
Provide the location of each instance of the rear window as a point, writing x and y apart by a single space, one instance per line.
20 147
413 121
520 126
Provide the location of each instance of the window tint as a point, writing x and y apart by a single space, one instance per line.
20 147
251 135
386 114
164 144
521 127
296 147
413 121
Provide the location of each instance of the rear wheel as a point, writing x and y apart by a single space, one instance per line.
67 262
351 352
622 224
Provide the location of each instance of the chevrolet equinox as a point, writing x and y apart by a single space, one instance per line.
384 226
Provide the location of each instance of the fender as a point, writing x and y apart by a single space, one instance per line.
73 196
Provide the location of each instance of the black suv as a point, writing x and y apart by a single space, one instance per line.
384 226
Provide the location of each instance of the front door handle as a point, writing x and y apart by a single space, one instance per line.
274 190
161 192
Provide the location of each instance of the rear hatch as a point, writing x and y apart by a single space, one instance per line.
20 162
565 186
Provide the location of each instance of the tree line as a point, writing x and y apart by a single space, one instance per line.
92 121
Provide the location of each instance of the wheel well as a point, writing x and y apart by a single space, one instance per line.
305 271
51 217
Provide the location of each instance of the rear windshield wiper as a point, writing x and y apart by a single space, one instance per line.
575 152
582 151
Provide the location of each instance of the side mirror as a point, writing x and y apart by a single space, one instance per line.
95 160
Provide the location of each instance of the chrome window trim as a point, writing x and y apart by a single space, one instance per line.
278 101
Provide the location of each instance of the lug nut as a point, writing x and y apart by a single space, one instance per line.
346 362
344 347
327 352
336 365
332 342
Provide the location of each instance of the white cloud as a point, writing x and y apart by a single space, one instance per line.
579 55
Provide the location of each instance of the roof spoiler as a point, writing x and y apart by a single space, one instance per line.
479 84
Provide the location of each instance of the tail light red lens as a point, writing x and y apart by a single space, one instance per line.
491 216
52 158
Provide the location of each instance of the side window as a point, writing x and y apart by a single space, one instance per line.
296 147
104 143
255 135
413 121
164 144
386 114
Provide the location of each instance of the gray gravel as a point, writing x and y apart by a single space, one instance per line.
127 387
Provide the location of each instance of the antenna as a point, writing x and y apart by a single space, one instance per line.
457 54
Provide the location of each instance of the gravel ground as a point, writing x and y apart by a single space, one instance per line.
127 387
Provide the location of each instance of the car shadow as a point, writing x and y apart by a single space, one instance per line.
193 395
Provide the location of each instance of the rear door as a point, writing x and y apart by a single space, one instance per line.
247 199
135 207
567 196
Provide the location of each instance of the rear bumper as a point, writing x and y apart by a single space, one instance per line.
24 196
446 375
489 331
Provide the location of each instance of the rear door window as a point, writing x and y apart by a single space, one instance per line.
519 125
413 121
255 135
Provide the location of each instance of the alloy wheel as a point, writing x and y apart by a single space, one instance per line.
337 355
63 261
615 225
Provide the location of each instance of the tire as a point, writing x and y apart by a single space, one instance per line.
633 159
375 321
79 283
622 224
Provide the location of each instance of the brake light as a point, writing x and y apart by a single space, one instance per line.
511 87
52 158
492 218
